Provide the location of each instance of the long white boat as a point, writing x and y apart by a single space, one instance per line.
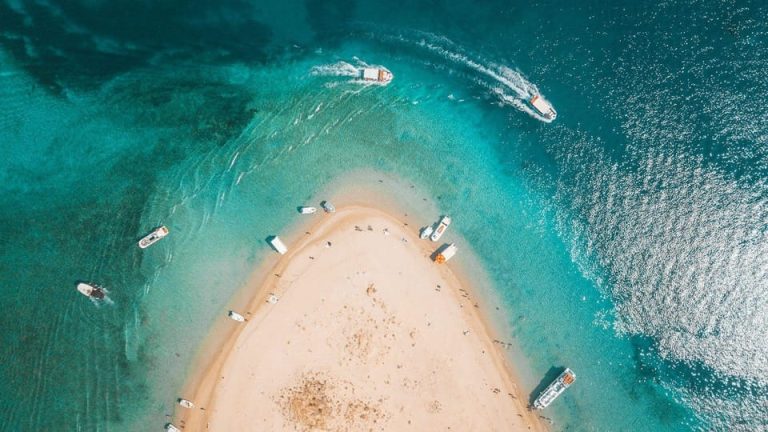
186 403
543 107
555 389
307 210
380 75
153 237
91 291
441 227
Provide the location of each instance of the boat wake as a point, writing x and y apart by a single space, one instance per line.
509 86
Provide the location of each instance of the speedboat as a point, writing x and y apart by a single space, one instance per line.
153 237
236 316
171 428
186 403
441 227
425 232
328 207
379 75
543 107
307 210
91 291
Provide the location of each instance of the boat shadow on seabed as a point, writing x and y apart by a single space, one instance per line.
546 380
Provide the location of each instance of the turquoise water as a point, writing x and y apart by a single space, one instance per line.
626 239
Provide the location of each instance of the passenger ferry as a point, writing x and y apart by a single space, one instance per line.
441 227
543 107
153 237
555 389
380 75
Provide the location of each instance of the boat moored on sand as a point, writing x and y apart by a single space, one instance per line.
555 389
91 291
379 75
236 316
153 237
328 207
169 427
441 227
186 403
426 232
543 107
307 210
445 253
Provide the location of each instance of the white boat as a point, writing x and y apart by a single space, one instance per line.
272 299
446 253
153 237
278 245
543 107
236 316
307 210
425 232
171 428
441 227
186 403
91 291
380 75
555 389
328 207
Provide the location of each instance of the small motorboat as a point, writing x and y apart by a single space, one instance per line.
91 291
441 227
328 207
307 210
186 403
153 237
171 428
543 107
425 232
236 316
379 75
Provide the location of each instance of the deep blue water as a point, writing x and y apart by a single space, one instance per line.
629 235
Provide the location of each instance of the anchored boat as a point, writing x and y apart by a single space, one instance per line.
171 428
441 227
555 389
380 75
186 403
153 237
91 291
307 210
543 107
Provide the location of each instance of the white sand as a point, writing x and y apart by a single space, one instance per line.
368 334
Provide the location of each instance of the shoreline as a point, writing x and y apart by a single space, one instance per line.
250 301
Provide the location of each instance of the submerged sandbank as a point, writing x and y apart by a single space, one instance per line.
368 334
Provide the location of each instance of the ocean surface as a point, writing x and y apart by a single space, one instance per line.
627 239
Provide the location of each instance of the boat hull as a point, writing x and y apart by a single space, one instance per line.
153 237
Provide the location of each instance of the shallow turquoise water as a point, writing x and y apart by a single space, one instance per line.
625 240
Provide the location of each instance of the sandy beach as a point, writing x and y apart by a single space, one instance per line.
368 334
